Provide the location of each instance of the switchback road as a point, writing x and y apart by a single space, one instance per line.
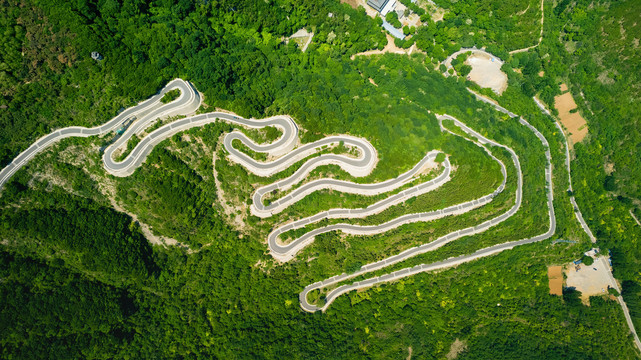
140 117
336 292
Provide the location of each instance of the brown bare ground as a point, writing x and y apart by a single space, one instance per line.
574 123
555 276
356 3
564 88
352 3
438 15
456 348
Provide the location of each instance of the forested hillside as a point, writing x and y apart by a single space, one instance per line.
79 279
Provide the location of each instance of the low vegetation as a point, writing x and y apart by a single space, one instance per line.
170 96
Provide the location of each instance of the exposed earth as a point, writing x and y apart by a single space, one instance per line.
486 71
590 280
571 119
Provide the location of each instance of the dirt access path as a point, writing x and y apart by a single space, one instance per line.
389 48
635 218
540 36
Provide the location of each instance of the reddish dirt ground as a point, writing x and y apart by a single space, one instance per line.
555 276
573 122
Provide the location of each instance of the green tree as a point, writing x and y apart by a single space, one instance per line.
587 260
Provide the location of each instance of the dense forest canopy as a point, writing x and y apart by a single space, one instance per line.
80 278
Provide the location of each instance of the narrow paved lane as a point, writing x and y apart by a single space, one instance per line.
285 149
577 211
586 228
187 101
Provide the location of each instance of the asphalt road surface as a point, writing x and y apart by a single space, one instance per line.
333 294
285 150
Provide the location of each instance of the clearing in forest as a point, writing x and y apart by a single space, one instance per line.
486 71
302 38
590 280
571 119
353 3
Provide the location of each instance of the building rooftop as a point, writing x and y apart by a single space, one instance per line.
394 31
377 5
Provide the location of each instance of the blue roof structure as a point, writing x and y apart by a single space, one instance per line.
397 33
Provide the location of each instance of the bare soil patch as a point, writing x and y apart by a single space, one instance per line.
438 15
605 79
564 87
352 3
555 277
302 38
486 71
573 122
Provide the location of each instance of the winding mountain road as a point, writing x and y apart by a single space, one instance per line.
287 152
284 149
336 292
